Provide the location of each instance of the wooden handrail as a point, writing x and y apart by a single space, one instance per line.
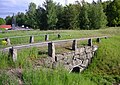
29 36
45 43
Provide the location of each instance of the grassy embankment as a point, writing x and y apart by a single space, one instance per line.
104 70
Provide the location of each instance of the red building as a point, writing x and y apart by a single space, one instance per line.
5 27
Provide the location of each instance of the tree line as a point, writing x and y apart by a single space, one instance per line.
82 15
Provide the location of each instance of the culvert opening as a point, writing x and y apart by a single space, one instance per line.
76 70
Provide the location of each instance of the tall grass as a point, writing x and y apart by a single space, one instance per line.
106 63
56 77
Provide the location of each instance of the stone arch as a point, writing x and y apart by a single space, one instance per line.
76 69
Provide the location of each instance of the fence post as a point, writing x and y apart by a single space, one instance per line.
13 53
51 50
8 41
98 40
46 37
31 39
74 45
89 42
59 36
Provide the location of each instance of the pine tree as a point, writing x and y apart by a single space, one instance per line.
51 14
41 18
113 13
97 17
84 19
30 15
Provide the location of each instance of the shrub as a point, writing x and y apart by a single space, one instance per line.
4 42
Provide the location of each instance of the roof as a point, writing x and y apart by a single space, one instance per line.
5 26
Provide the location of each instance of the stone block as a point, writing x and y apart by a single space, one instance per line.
89 42
46 37
94 48
89 55
59 57
59 36
74 45
76 56
77 61
98 40
31 39
51 50
81 50
85 63
88 50
13 54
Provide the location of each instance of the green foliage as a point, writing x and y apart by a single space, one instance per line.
30 15
56 77
70 17
73 16
97 17
92 16
106 62
7 79
8 20
50 7
113 13
2 21
84 19
20 19
41 18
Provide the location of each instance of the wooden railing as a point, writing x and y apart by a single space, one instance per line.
31 37
51 46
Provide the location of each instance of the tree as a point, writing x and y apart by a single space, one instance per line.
75 12
41 18
71 16
113 13
2 21
84 18
30 15
20 19
8 20
50 7
59 11
97 16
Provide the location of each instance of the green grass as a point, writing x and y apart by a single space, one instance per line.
65 34
106 62
56 77
104 69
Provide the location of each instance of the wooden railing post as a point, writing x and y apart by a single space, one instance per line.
89 42
59 36
74 45
46 37
13 54
31 39
98 40
51 50
8 41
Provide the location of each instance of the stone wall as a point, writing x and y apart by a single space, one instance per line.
75 61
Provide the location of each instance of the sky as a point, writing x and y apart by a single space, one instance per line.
8 7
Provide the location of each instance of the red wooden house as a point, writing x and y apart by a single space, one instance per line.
5 27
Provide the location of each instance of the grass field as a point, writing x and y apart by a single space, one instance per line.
104 69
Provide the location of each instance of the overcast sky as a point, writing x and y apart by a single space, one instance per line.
8 7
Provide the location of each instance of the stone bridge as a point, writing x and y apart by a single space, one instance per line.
75 61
